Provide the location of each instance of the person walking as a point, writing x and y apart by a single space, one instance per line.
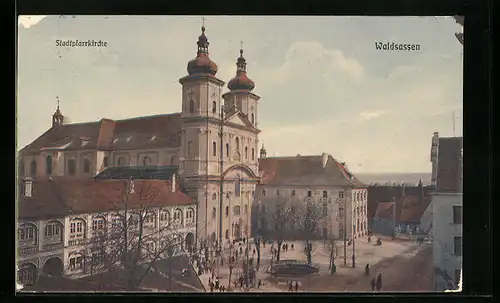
292 246
290 285
296 286
373 283
367 270
259 283
379 282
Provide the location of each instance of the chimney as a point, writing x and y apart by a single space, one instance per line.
28 187
324 159
173 183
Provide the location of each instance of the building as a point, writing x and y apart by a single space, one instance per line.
62 222
447 212
318 179
214 146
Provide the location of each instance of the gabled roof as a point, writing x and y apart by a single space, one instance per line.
385 210
305 171
408 210
59 196
235 116
141 132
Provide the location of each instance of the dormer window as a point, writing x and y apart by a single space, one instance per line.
129 138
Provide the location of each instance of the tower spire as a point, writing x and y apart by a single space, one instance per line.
57 117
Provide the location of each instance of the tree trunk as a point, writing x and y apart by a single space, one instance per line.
257 247
309 249
280 242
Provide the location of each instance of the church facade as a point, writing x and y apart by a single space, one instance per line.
213 142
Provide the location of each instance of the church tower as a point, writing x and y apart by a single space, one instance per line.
57 117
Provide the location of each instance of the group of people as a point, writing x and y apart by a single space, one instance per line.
376 283
284 248
215 284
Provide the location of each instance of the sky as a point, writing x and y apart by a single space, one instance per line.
324 86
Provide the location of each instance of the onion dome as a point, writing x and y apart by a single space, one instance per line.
241 80
202 63
57 117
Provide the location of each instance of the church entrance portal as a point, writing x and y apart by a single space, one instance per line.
190 242
53 267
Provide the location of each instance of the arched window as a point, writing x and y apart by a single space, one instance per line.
48 165
86 166
227 234
165 216
98 223
53 231
33 168
253 153
237 140
76 262
236 210
214 107
214 149
214 213
325 194
227 211
253 119
27 233
146 161
191 106
178 216
246 152
27 274
150 219
71 167
121 161
190 215
227 149
77 228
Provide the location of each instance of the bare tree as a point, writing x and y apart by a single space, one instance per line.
283 214
309 220
134 242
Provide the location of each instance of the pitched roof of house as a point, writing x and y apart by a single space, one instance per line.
306 170
385 210
449 168
107 134
408 210
59 196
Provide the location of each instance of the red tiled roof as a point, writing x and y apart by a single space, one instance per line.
140 132
305 170
449 174
385 210
60 196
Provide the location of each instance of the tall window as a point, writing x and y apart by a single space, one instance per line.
121 161
27 232
341 211
178 216
98 223
214 149
146 161
76 262
457 246
253 119
227 149
191 106
246 152
236 210
325 194
71 167
77 228
325 209
52 229
189 148
190 215
237 143
150 219
214 107
237 186
214 212
33 168
86 166
309 193
341 194
49 165
253 153
457 214
165 216
227 211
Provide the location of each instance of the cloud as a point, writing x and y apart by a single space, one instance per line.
29 21
367 115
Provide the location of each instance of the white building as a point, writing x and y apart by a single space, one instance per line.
61 220
320 179
447 212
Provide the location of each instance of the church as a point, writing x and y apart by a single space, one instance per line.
211 146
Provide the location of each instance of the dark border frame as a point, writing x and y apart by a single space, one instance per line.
478 109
